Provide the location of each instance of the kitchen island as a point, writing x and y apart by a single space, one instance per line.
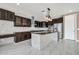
40 40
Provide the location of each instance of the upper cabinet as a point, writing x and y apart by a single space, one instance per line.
58 20
22 22
41 24
18 20
46 24
6 15
50 22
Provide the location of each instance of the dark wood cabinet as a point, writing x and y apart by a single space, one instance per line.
46 23
6 15
18 21
21 36
22 22
11 16
28 22
2 14
58 20
36 23
50 22
41 24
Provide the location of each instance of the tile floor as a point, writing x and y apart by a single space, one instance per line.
64 47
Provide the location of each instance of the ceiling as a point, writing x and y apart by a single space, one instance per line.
35 9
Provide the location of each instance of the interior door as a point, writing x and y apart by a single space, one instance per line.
69 27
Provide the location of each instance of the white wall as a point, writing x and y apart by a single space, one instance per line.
6 27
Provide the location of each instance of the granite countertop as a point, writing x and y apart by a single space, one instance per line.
36 30
32 31
44 32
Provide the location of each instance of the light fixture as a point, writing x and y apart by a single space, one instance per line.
47 17
47 14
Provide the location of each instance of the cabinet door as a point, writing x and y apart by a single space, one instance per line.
41 24
28 21
2 14
11 16
6 15
35 23
28 35
17 37
18 21
24 22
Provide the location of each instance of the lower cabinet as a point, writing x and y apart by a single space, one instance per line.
21 36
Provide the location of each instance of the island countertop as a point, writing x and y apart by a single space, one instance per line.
44 32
